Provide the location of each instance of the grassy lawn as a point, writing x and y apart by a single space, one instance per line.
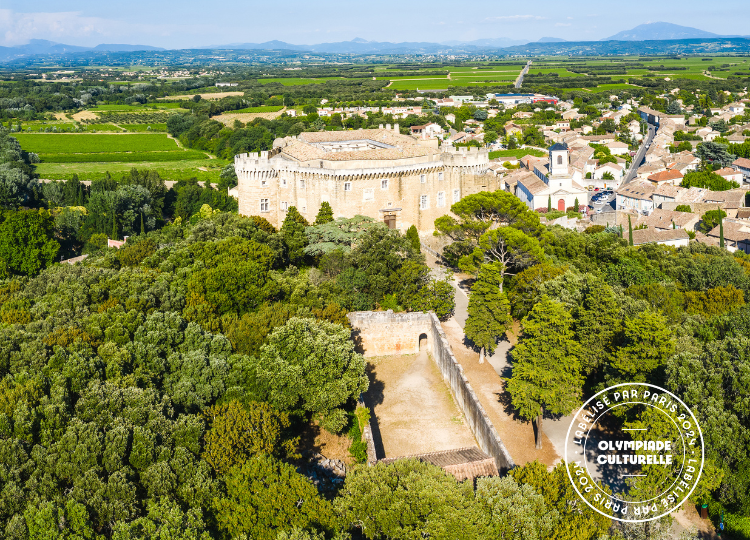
53 143
517 153
168 171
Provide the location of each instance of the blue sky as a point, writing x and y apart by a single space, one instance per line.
187 23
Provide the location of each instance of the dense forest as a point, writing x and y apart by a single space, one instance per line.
673 317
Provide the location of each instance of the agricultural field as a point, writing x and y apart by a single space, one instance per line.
91 156
48 143
143 128
299 81
203 170
263 109
209 96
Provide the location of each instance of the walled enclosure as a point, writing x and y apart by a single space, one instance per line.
381 333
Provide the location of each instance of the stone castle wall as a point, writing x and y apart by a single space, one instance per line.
370 188
379 333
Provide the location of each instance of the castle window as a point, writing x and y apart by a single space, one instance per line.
369 194
283 182
456 195
441 199
302 184
423 202
264 205
384 183
347 186
284 206
440 176
264 183
423 178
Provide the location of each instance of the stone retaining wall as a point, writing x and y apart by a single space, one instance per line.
385 333
479 423
382 333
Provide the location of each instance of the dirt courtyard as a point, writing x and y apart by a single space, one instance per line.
413 411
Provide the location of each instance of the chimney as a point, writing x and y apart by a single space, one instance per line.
380 126
388 127
395 128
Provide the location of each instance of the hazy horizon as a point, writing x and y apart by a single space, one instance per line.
192 24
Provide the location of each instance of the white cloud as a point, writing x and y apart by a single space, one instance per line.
18 28
562 24
514 18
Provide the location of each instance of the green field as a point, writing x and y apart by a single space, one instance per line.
124 157
263 109
141 128
517 153
175 170
53 143
294 82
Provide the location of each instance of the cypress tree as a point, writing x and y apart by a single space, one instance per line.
577 205
630 232
143 229
549 203
721 230
114 225
293 233
489 310
413 236
325 214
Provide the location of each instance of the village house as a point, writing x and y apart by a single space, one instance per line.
728 173
636 196
666 177
426 131
663 220
742 165
668 237
736 235
618 148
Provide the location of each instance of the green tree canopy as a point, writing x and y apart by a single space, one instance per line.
310 366
265 497
489 309
546 365
26 242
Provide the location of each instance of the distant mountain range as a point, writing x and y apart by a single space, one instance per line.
658 31
42 46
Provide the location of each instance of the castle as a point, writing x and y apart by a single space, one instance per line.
378 173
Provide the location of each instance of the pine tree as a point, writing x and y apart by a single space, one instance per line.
546 365
630 232
413 236
549 203
325 214
489 310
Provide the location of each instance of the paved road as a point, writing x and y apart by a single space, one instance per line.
640 156
524 71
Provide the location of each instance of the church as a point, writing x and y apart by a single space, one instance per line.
552 182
